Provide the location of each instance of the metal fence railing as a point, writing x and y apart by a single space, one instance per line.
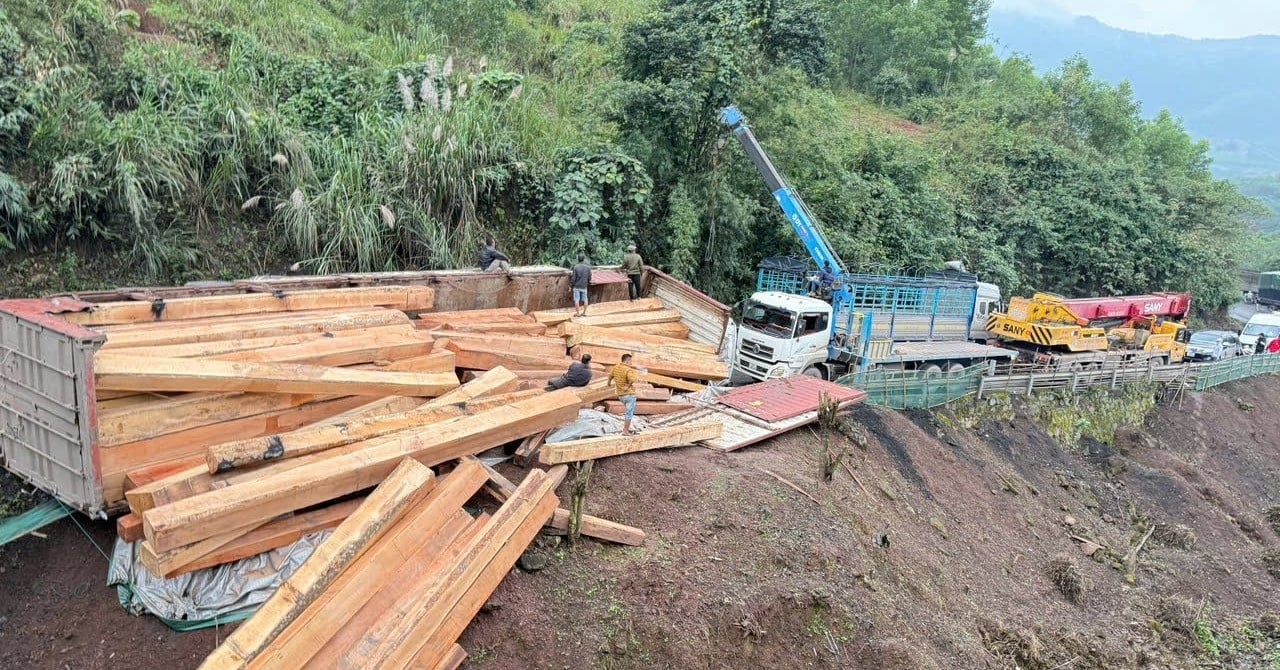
915 389
1210 375
921 390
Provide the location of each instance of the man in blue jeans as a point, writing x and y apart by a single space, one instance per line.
624 378
580 281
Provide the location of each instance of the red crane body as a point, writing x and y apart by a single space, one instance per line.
1130 307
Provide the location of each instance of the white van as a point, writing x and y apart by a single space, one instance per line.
1266 325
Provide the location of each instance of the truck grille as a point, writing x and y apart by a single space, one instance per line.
756 349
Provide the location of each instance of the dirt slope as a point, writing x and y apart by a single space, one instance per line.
940 562
939 559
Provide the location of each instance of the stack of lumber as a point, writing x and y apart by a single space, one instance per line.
396 584
659 354
176 376
650 400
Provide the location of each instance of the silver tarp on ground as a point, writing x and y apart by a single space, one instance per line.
208 593
592 423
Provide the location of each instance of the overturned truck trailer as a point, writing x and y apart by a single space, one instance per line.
48 401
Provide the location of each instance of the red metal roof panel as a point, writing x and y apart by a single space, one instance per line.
781 399
608 277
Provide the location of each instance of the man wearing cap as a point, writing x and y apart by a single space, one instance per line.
633 266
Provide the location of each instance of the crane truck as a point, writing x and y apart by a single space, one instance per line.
864 321
1079 333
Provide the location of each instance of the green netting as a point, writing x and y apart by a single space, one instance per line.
1214 374
914 389
33 519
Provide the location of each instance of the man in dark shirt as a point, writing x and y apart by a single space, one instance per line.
579 374
492 260
633 268
580 281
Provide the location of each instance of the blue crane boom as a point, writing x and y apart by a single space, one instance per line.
792 206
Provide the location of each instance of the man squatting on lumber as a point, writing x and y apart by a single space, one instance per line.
579 374
624 378
581 281
633 267
492 260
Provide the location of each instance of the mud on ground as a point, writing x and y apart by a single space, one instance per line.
947 552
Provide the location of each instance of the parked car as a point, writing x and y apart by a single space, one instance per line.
1214 345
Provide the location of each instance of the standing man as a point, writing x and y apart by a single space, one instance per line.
580 281
492 260
1260 344
633 266
624 378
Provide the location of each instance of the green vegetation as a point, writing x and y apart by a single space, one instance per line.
1097 413
392 134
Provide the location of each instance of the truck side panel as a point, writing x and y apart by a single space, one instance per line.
47 414
706 317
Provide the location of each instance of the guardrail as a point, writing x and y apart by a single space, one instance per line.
921 390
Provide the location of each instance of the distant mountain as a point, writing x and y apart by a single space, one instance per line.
1226 91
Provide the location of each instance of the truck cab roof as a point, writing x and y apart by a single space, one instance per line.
794 303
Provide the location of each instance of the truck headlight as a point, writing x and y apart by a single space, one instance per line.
779 370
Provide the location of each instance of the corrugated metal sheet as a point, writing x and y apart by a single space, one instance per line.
599 276
46 414
780 399
706 317
739 430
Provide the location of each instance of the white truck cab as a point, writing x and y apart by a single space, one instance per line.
782 335
1264 324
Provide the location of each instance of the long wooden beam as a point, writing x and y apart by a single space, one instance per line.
406 298
220 347
615 445
310 439
187 333
357 466
273 535
394 562
626 339
341 351
703 367
592 526
402 490
627 319
553 317
138 373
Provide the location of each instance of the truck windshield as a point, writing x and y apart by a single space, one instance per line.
768 320
1260 329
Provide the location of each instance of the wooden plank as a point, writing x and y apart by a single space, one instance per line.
441 318
190 410
452 660
628 319
400 558
129 527
615 445
600 529
482 360
116 461
707 367
221 347
433 619
424 559
645 391
137 373
648 407
459 402
349 469
341 351
274 535
672 382
436 361
181 333
553 317
167 563
538 347
407 298
626 339
143 476
595 392
403 489
512 327
528 447
678 331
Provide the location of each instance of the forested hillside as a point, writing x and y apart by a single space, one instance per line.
196 139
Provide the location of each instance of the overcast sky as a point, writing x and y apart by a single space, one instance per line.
1190 18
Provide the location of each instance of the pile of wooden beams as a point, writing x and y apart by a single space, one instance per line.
396 584
233 425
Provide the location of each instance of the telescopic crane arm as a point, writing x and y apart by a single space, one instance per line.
792 206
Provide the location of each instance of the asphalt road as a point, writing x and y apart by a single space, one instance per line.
1242 312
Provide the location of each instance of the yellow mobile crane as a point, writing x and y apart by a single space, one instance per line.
1082 332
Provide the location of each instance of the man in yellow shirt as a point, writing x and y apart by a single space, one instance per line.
624 378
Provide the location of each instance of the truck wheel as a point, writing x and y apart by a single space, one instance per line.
814 371
954 368
932 370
